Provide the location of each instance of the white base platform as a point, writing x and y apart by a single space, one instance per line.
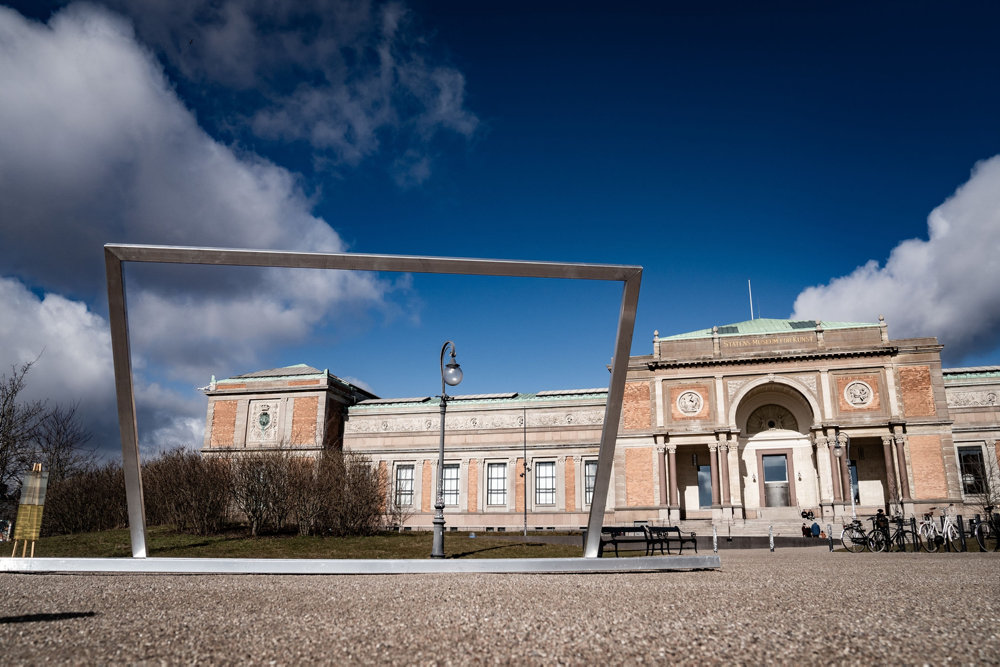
357 566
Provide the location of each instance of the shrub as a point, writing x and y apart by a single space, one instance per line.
87 501
188 491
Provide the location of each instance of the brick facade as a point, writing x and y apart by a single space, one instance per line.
635 406
224 424
304 414
918 393
519 485
473 485
928 467
426 492
570 484
639 477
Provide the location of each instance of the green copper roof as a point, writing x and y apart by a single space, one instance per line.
476 399
971 373
765 325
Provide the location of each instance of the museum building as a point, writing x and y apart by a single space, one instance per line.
743 426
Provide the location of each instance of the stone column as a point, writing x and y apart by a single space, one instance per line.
713 451
724 469
735 480
845 472
835 477
890 470
672 496
904 482
825 472
662 460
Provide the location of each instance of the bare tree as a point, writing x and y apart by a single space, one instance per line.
986 485
59 444
308 494
19 424
260 486
188 491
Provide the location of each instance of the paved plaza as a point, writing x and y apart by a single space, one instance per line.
801 605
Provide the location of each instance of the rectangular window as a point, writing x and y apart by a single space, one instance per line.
496 484
589 479
449 484
545 483
404 486
973 469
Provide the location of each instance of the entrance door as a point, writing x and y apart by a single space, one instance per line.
705 487
852 468
775 480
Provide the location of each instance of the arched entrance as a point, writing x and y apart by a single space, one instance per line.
777 462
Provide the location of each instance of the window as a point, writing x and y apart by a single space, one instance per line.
973 469
404 486
589 479
496 484
449 484
545 483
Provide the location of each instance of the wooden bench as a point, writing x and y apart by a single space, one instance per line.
615 535
662 536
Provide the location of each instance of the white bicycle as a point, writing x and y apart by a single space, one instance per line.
931 536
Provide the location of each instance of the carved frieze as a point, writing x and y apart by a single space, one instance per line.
263 421
808 380
471 422
733 386
972 399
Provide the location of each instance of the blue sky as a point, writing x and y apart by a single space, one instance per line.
806 147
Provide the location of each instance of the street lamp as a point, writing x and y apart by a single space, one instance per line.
451 375
850 480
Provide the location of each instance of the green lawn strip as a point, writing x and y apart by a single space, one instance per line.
166 543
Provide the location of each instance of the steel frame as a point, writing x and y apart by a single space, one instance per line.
116 254
360 566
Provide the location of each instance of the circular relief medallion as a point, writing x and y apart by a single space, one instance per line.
689 403
858 394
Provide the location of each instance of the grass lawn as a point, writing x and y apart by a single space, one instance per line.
164 542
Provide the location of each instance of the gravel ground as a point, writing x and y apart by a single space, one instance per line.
796 605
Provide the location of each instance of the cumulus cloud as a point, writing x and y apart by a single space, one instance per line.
96 147
946 286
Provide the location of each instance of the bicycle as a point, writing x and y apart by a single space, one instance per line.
987 531
880 540
933 537
853 537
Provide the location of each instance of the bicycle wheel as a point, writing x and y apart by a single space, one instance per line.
909 540
986 536
951 534
928 538
877 541
854 540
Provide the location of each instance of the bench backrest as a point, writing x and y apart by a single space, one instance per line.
618 531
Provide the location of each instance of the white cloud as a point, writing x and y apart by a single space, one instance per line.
947 286
71 344
96 147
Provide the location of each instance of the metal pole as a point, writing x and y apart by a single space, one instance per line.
715 539
770 537
524 472
437 549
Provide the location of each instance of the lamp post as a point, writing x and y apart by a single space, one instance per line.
838 453
451 375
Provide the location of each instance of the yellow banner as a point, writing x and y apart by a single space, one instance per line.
29 522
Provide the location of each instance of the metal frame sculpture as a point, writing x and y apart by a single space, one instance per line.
116 254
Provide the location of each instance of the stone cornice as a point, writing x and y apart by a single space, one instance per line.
769 358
